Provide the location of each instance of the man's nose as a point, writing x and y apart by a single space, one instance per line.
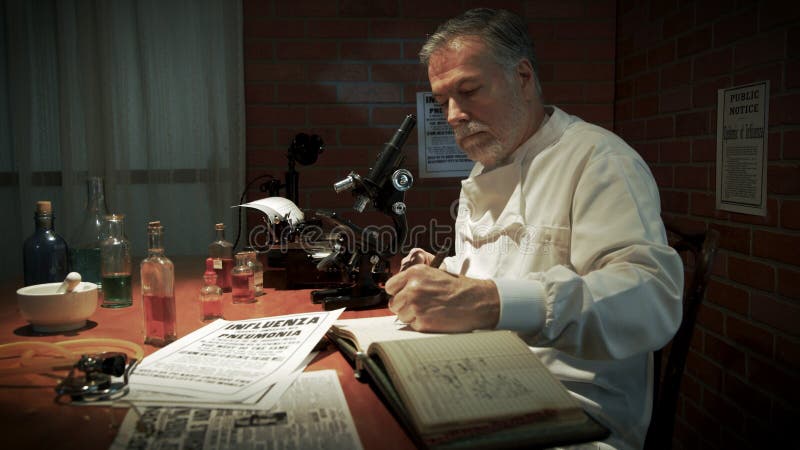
455 113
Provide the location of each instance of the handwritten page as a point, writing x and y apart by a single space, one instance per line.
233 360
277 209
471 377
374 329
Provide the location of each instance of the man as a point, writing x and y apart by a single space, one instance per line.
558 234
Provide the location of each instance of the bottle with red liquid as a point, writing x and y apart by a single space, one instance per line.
221 251
242 280
211 294
158 290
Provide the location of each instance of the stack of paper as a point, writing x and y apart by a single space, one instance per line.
243 364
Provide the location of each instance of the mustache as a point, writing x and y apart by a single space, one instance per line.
469 128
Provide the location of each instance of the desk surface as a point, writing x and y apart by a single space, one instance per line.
30 419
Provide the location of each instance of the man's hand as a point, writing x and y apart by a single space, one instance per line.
433 300
416 256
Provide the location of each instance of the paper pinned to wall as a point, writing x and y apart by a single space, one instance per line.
277 209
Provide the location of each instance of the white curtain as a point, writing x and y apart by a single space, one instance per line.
146 94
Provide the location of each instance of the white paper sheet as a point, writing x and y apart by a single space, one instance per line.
277 209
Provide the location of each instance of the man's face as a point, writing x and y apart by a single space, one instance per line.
485 104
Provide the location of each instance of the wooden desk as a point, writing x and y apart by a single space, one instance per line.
30 419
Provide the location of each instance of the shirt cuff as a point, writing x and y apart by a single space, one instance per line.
522 305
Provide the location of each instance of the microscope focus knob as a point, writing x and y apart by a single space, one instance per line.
402 180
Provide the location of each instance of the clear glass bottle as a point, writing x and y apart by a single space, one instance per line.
211 294
84 243
158 290
115 264
242 280
222 253
258 271
44 253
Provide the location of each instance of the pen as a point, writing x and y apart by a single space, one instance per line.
440 255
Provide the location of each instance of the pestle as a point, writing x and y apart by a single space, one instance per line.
72 280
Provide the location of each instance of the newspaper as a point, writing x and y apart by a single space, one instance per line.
233 361
312 414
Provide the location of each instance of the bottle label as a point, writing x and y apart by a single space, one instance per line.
217 264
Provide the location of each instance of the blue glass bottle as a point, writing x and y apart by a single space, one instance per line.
44 253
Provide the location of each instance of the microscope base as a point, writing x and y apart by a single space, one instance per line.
350 297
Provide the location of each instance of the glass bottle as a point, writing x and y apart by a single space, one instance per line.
222 253
158 290
210 293
115 264
258 271
242 280
44 253
84 244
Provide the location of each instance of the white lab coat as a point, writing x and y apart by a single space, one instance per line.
570 232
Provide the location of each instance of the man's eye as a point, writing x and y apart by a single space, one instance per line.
470 92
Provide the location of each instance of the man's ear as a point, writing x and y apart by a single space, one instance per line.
526 78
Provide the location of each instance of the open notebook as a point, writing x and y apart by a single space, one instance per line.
473 390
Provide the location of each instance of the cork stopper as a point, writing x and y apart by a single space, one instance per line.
219 226
154 224
44 207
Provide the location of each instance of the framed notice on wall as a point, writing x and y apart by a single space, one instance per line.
742 114
439 155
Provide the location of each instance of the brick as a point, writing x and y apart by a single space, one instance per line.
599 92
772 72
704 94
560 50
791 144
306 93
584 71
792 74
390 115
366 136
313 50
661 127
771 219
645 106
730 297
745 395
704 150
777 13
707 372
375 8
733 237
783 179
272 28
258 50
260 136
777 246
599 50
275 115
427 9
783 110
787 352
370 50
648 151
677 74
623 110
713 64
750 336
339 115
285 136
734 27
695 42
632 131
274 72
724 411
752 273
770 377
790 214
723 353
704 205
337 72
762 48
679 22
675 202
398 72
692 124
710 319
676 100
675 151
369 93
348 29
585 30
307 8
661 54
401 28
633 65
781 315
646 83
690 177
259 93
664 176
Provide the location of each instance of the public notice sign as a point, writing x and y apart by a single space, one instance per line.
439 155
742 115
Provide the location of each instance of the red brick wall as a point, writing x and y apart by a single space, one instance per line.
348 71
740 386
